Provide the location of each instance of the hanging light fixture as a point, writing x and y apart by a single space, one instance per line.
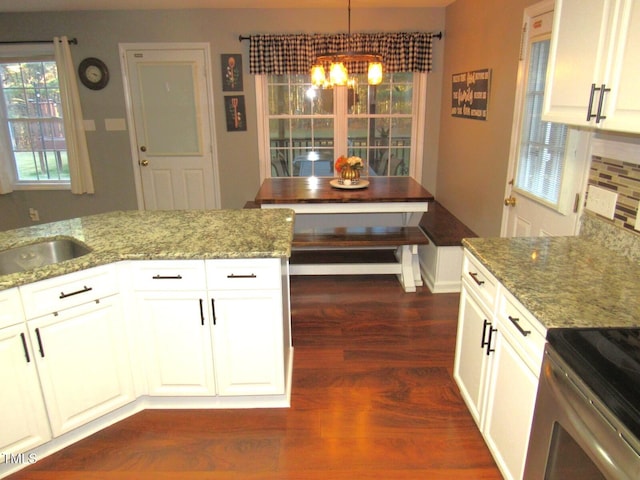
338 74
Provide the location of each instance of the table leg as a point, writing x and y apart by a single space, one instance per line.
409 275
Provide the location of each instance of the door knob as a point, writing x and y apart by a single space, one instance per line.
143 148
144 162
510 201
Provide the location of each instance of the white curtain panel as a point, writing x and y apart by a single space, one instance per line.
77 151
6 175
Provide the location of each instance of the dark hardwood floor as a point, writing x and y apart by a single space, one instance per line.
373 398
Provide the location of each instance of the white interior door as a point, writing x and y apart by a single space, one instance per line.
172 142
548 165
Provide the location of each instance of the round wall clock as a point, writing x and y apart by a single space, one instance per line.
93 73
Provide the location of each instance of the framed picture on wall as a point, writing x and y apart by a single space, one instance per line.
470 94
235 113
231 64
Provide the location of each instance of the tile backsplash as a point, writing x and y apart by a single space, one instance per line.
624 179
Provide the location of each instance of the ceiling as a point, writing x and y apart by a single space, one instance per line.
76 5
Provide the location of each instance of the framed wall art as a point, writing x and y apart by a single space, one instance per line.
231 65
235 113
470 94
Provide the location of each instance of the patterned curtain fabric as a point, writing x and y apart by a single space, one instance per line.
296 54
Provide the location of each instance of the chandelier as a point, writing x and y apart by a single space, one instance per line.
338 74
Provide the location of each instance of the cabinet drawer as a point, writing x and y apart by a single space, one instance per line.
168 275
59 293
480 280
244 274
523 330
10 308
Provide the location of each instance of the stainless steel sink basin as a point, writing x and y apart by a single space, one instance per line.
34 255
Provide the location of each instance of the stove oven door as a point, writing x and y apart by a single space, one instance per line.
573 434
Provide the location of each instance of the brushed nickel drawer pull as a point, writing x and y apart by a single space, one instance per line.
167 277
516 322
233 275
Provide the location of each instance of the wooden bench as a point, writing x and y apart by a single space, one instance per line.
441 258
359 250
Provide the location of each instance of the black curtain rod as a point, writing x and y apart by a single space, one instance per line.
72 41
242 38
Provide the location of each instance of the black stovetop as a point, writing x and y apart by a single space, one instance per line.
608 361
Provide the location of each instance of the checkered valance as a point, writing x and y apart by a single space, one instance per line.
296 54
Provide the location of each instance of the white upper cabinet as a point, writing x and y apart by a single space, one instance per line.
593 69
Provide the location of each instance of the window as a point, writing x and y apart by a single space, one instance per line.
542 144
305 128
32 122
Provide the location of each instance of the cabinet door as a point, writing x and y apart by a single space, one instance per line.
580 44
623 102
83 362
248 341
10 308
510 404
176 331
23 417
472 363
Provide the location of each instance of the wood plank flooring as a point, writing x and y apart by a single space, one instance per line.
373 398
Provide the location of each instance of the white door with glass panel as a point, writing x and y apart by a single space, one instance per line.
548 161
170 110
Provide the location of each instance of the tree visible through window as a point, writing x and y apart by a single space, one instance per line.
32 114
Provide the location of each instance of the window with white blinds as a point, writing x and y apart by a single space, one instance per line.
542 144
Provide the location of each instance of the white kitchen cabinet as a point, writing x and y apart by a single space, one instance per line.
22 412
174 327
498 357
66 291
177 343
474 351
510 403
83 362
247 306
593 70
475 341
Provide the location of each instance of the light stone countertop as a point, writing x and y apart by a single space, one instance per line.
565 281
160 235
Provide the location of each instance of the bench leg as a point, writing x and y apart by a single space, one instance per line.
410 267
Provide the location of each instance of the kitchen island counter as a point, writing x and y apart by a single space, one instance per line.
158 235
565 282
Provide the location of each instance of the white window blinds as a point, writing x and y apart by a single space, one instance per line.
542 144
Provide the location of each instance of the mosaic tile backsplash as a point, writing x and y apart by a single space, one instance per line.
624 179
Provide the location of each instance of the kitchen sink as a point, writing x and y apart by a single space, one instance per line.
34 255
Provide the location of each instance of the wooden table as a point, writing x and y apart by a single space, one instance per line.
316 195
310 196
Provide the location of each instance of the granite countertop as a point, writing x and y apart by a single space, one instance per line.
565 281
160 235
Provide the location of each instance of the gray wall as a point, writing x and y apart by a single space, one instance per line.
99 34
474 155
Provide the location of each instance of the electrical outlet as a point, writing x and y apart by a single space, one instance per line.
601 201
34 215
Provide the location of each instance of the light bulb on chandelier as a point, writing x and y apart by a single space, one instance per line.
338 74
